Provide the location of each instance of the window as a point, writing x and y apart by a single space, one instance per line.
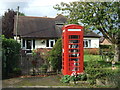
87 43
23 43
76 64
73 50
74 41
74 36
73 46
47 43
28 45
50 43
73 59
75 69
33 44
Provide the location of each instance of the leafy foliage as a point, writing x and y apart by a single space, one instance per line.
55 56
8 23
82 77
68 78
10 45
44 68
101 16
96 70
115 78
10 49
65 79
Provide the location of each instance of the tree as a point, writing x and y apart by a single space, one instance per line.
8 23
101 16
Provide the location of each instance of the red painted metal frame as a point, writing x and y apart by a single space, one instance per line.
67 59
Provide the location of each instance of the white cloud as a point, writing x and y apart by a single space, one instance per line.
32 7
44 8
35 7
7 4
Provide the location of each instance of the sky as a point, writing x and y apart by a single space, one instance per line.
38 8
34 7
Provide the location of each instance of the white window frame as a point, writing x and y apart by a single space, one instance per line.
50 40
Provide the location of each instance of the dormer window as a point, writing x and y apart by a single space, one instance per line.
59 24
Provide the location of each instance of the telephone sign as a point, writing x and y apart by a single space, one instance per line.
72 49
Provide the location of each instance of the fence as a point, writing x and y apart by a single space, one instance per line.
30 64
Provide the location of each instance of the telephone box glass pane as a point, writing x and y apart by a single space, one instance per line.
74 41
73 55
73 46
73 59
75 69
73 50
74 36
76 64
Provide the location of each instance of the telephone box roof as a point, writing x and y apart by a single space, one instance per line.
73 26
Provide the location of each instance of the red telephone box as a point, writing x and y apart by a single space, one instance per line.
72 49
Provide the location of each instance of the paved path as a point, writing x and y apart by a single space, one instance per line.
43 87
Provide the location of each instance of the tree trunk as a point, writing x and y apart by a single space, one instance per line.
117 53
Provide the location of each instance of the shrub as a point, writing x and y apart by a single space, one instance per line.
68 78
74 78
83 77
105 47
44 68
55 56
17 71
96 70
10 56
65 79
115 78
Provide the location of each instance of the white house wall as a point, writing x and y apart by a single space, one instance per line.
39 44
94 42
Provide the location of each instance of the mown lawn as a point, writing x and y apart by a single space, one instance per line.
88 57
98 58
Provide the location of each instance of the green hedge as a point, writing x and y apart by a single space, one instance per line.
105 46
10 57
98 70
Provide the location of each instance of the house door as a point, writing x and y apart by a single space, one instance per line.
28 45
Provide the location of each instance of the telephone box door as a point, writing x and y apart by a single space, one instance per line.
72 54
